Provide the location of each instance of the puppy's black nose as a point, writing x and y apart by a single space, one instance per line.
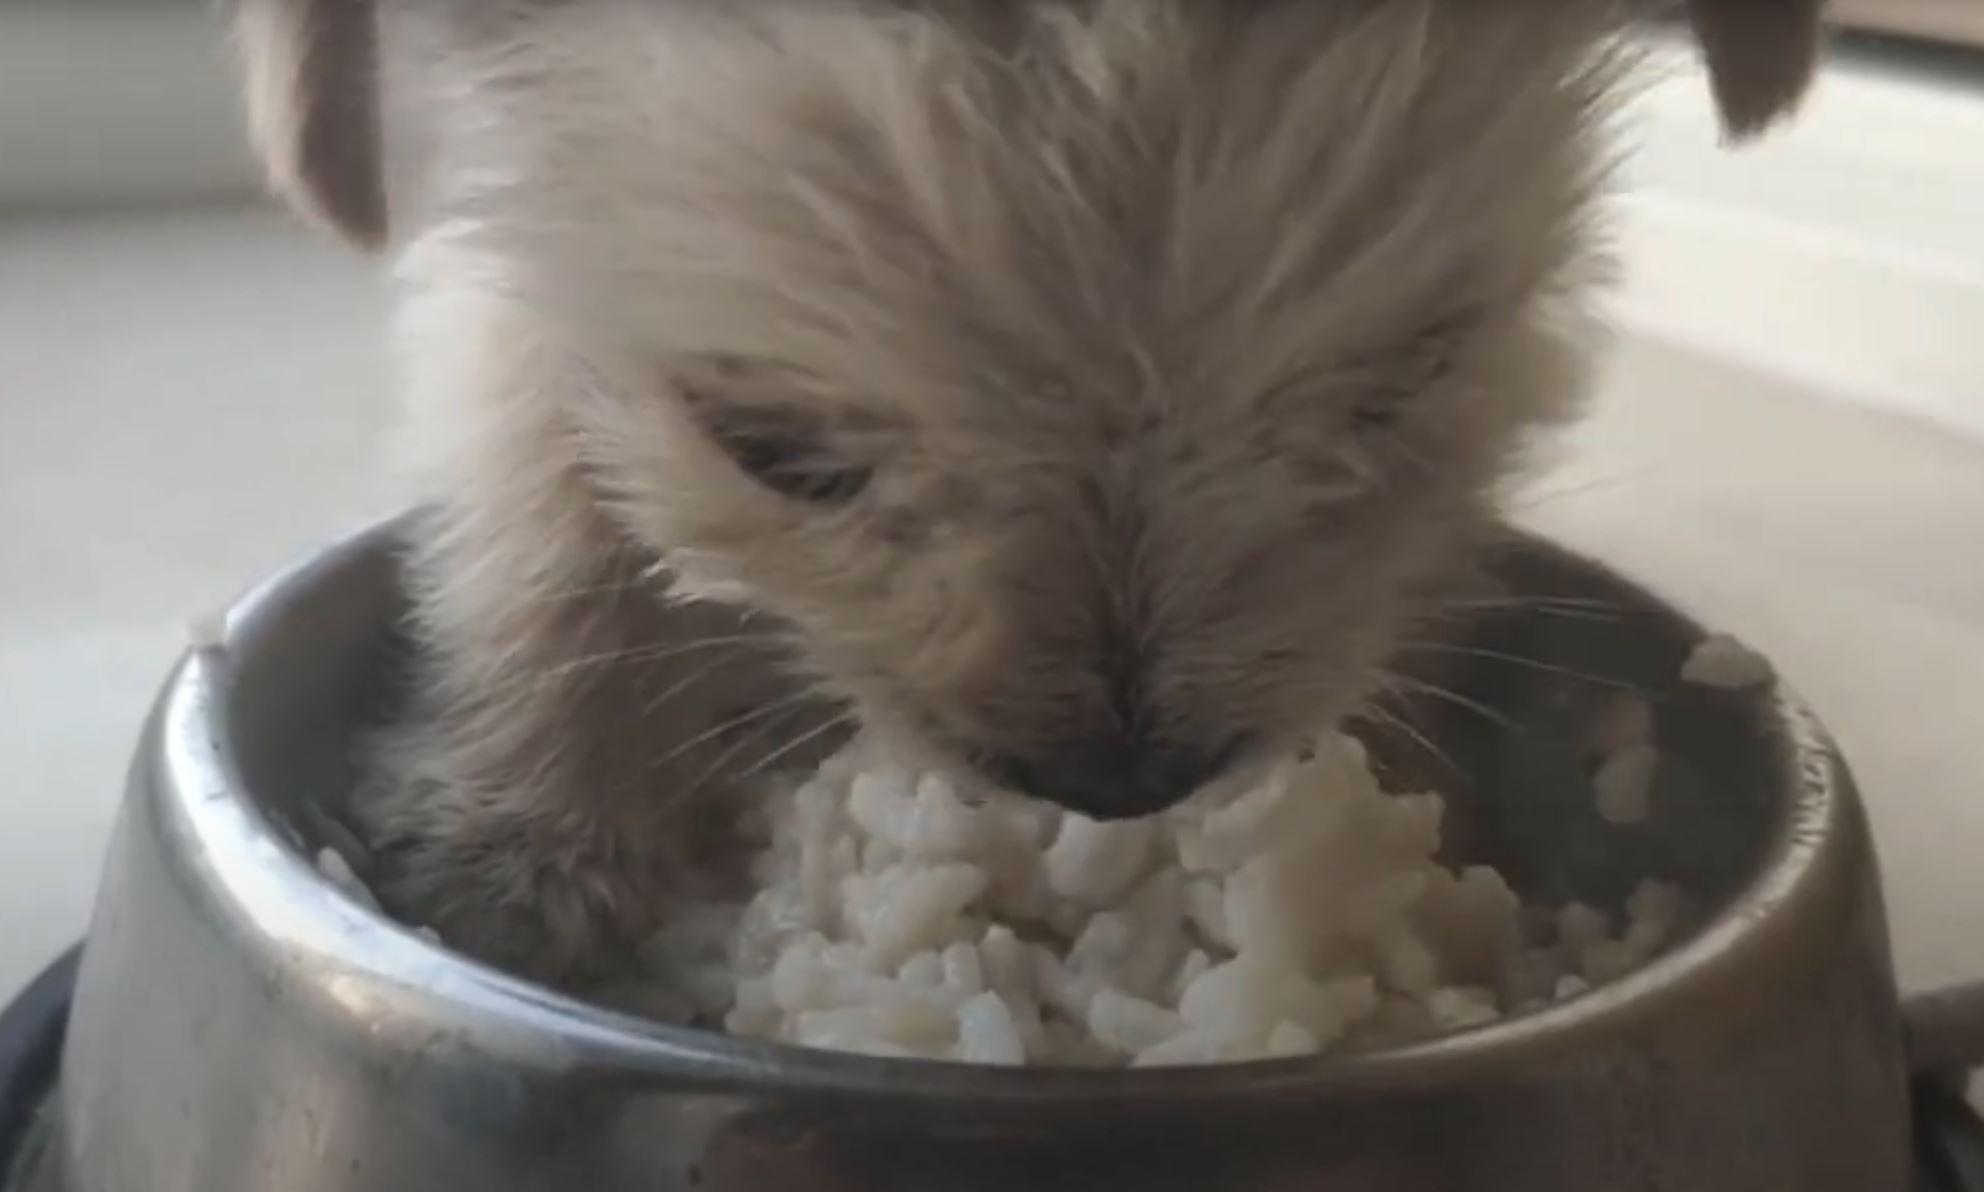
1110 780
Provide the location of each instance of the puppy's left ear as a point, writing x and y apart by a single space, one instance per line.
1761 55
312 73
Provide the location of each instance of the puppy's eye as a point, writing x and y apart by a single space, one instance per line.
779 429
790 454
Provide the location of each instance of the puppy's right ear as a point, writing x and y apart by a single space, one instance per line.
312 71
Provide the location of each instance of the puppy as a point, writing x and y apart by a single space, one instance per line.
1089 392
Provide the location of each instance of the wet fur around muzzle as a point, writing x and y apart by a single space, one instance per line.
1094 392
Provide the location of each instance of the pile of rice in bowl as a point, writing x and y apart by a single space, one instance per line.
1300 911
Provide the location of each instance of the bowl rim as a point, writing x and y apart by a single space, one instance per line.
268 899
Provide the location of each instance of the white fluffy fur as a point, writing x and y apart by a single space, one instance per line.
1187 344
1092 391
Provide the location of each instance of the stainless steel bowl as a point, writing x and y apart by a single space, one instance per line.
240 1026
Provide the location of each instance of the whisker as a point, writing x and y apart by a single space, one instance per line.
1580 603
766 726
559 595
685 683
748 716
1467 612
1526 599
716 767
1452 697
653 653
1405 726
1547 668
810 735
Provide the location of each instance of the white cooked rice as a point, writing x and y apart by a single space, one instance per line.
1291 915
1720 660
1623 784
332 865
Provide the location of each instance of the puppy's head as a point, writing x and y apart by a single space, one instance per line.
1095 386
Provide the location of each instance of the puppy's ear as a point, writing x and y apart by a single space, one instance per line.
312 72
1761 55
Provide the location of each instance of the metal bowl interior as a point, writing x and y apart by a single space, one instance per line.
1749 806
